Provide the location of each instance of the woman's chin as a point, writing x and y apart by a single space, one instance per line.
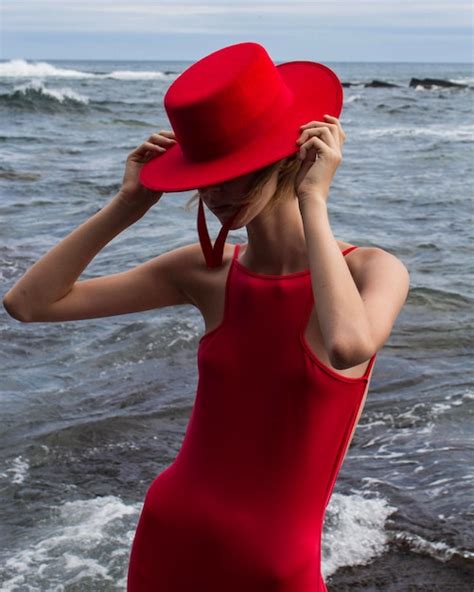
237 213
236 225
238 222
224 217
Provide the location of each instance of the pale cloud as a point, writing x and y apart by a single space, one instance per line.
124 15
342 29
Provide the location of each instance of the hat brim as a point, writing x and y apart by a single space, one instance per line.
317 91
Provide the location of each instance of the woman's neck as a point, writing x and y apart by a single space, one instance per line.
276 241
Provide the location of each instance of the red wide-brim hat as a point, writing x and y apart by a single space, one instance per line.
232 112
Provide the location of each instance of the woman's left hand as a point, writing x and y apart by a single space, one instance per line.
321 153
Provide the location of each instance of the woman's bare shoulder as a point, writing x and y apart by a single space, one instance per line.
361 252
194 263
195 278
360 258
370 261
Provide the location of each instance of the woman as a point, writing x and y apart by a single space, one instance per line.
294 320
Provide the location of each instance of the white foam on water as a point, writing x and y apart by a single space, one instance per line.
451 400
85 541
18 470
436 549
463 131
138 75
352 99
20 68
354 531
57 94
464 80
418 413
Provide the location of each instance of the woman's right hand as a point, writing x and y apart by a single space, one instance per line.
132 191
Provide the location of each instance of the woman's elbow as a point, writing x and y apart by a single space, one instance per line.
14 311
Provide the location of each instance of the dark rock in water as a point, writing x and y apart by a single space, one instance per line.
430 82
380 84
348 84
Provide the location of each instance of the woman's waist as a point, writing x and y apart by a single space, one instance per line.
266 499
270 537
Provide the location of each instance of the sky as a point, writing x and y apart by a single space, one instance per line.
334 30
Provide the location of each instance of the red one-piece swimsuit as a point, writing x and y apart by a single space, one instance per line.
241 508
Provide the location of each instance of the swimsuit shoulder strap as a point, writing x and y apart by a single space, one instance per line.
349 249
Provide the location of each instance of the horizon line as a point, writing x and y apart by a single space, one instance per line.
196 59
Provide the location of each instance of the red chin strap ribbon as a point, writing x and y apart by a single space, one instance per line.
213 255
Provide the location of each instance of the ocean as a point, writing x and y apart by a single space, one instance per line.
92 411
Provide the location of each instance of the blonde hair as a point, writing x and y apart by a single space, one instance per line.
286 179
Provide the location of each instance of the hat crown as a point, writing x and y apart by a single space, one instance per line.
226 99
